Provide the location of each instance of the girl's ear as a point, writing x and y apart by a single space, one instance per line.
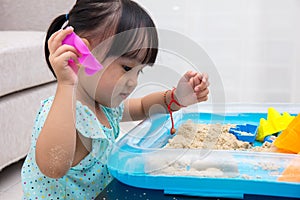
87 43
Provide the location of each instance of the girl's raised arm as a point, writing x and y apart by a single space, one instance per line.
56 144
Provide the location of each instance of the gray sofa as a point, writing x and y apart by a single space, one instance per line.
24 79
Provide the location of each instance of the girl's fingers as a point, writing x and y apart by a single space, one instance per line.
64 48
51 45
63 54
202 99
201 89
199 84
191 82
54 35
203 85
203 95
197 81
70 55
64 58
205 78
192 78
188 75
56 39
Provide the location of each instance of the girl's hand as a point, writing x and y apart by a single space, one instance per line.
192 88
59 56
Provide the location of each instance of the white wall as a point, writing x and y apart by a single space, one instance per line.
254 44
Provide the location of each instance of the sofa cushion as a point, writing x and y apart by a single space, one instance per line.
18 112
22 61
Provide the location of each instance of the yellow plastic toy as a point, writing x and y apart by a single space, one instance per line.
275 123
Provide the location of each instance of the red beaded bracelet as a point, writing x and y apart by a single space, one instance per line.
173 100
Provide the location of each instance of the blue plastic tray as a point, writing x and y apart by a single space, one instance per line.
139 159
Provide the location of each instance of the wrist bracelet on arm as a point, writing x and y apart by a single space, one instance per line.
173 100
165 97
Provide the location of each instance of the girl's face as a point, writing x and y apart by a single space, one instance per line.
115 82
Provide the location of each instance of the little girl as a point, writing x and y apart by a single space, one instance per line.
75 130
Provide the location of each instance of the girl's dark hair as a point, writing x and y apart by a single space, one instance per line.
97 20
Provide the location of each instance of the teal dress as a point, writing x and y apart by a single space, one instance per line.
89 177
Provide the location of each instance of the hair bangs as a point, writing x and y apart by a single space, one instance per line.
136 35
139 47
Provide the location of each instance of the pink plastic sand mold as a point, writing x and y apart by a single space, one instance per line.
89 62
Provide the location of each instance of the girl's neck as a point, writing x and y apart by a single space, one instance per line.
85 99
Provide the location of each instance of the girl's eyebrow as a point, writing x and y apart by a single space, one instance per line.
132 61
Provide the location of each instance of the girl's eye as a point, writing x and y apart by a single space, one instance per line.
126 68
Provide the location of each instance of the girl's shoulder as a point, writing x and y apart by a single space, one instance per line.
115 112
44 109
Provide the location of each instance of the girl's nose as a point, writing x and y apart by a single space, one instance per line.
131 82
